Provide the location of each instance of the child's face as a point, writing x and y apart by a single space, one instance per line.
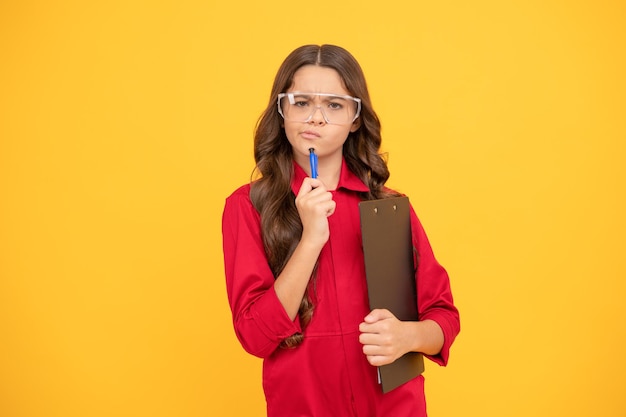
326 139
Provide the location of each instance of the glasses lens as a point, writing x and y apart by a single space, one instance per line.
335 109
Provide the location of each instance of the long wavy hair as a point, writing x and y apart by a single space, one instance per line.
271 193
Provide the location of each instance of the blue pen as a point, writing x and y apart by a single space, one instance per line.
313 162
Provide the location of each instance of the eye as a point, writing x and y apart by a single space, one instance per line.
335 106
301 102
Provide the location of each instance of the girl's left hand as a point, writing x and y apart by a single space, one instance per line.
384 337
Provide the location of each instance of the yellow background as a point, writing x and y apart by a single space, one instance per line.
125 124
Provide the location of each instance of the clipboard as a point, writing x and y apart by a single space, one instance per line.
390 274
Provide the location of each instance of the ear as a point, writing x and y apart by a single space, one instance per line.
355 125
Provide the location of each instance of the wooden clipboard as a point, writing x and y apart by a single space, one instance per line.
390 273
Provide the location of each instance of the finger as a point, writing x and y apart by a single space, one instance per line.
379 360
309 184
369 328
377 315
330 208
372 350
368 339
322 205
312 197
376 327
376 350
305 187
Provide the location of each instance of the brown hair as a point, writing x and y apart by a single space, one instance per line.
271 194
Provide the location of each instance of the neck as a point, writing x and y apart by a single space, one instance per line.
329 169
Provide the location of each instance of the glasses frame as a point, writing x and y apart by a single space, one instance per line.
291 95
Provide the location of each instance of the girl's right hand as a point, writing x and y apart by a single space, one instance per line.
315 204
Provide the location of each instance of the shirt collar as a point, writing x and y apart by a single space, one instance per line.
347 179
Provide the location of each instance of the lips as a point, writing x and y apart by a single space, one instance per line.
310 134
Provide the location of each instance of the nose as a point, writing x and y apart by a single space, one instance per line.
317 117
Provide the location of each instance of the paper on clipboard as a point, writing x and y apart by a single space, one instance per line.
390 273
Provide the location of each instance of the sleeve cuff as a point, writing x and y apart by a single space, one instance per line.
272 319
449 334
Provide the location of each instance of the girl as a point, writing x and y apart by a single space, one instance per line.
293 254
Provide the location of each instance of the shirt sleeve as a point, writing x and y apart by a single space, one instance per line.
434 296
259 319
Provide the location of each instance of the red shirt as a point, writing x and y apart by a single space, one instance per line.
328 374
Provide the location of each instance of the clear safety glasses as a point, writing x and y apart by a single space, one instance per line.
335 109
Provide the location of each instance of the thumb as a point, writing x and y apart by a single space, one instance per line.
377 315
